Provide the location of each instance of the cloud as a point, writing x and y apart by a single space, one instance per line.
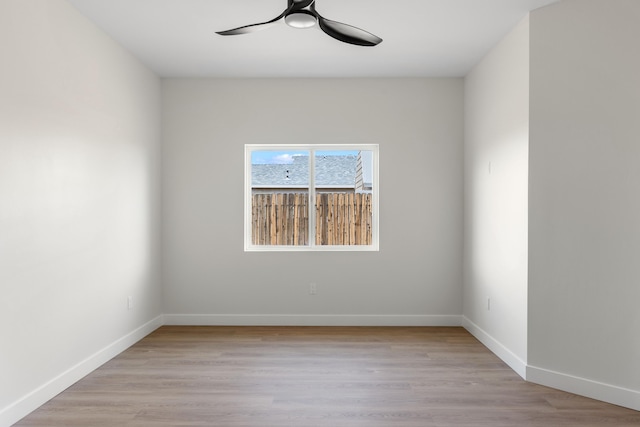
283 159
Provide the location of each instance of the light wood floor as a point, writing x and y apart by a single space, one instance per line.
308 376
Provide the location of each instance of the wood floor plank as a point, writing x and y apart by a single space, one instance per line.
315 376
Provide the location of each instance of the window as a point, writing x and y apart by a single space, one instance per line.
311 197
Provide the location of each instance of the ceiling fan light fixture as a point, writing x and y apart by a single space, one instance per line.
303 14
301 19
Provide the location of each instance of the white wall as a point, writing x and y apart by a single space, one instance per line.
584 269
416 278
496 180
79 138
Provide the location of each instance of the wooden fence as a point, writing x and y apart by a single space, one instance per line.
283 219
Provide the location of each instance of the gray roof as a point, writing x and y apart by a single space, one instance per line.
331 171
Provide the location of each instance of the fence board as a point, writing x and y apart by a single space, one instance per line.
283 219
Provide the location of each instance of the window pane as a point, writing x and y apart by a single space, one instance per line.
280 197
343 197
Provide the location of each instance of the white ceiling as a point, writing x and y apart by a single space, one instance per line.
435 38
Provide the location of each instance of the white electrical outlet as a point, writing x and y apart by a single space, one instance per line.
313 289
130 302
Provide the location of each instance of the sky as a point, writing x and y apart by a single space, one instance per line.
284 157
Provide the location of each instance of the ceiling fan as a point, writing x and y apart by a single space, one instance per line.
303 14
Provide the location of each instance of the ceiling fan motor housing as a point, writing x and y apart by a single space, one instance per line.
301 19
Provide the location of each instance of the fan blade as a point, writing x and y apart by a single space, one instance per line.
253 27
292 6
347 33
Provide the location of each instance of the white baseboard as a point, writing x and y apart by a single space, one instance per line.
32 401
588 388
581 386
311 320
507 356
584 387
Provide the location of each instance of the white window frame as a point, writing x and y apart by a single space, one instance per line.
311 148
